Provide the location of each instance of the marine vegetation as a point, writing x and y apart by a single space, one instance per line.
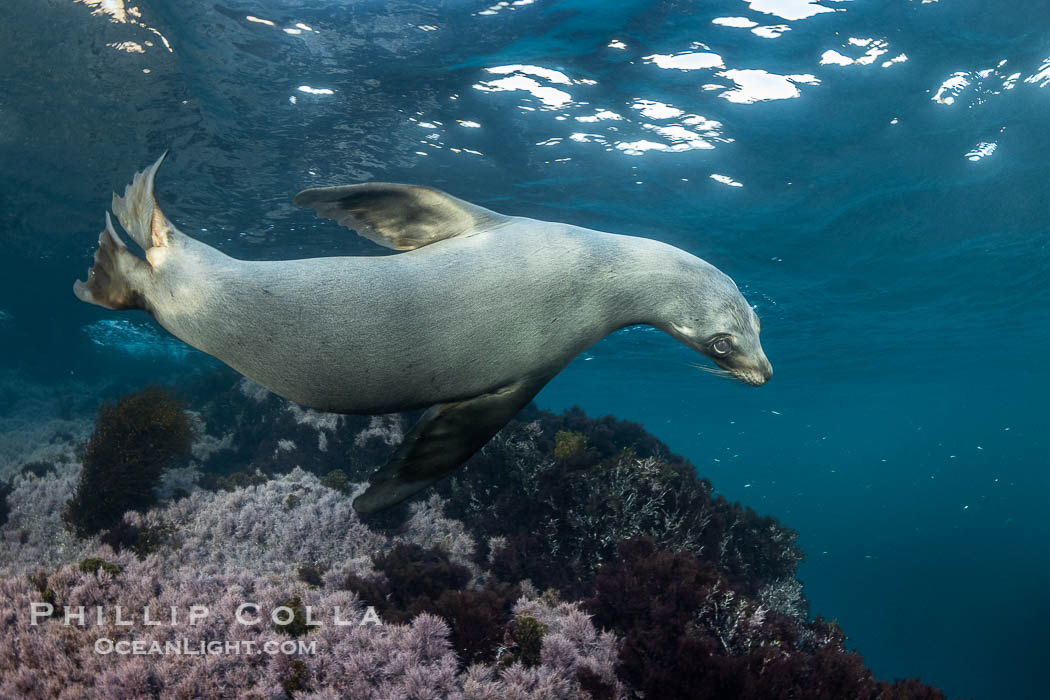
688 633
5 509
295 624
571 558
527 633
37 468
415 580
92 565
134 441
563 513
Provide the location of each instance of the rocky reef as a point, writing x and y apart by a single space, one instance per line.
572 557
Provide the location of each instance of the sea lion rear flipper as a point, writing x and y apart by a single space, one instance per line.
139 214
402 217
114 280
445 437
118 277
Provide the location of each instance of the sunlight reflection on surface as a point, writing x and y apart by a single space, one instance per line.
687 61
632 112
789 9
118 12
510 5
980 85
726 180
771 31
756 85
873 49
981 150
740 22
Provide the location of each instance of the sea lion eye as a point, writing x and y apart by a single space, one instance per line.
722 346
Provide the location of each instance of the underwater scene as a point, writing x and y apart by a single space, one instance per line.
524 349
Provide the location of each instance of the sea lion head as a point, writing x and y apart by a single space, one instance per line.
717 321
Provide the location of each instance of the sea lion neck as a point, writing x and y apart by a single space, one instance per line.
652 281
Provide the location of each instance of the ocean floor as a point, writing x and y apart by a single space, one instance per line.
573 557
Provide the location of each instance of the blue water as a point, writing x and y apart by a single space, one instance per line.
887 217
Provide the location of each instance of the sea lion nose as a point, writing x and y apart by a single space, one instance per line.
767 371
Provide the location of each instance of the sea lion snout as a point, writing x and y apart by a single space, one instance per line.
756 375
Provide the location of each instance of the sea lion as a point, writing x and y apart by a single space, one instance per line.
480 313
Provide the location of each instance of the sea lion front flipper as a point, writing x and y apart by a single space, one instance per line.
402 217
445 437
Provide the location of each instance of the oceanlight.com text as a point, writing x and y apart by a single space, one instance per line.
214 647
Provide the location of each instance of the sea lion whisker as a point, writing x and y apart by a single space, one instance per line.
717 371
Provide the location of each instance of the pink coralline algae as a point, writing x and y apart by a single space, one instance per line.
346 653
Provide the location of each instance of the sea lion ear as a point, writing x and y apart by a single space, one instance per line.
402 217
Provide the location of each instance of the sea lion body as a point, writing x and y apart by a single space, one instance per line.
472 320
451 320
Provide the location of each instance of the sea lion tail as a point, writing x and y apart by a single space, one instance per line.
114 281
139 214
